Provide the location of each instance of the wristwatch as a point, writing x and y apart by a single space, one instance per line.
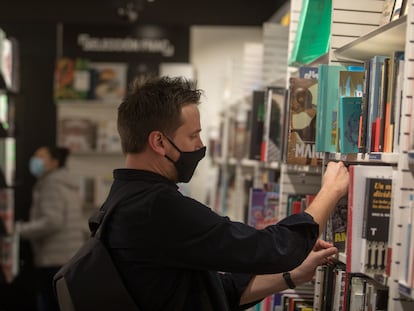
288 280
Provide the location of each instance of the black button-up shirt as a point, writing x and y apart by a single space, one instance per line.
175 253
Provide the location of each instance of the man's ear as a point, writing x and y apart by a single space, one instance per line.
156 143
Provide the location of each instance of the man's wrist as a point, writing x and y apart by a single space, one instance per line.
288 279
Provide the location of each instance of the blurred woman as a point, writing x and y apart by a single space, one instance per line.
55 224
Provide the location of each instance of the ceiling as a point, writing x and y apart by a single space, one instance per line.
173 12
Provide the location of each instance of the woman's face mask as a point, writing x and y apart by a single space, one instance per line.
36 167
187 162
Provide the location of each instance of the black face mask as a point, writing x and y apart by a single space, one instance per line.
187 162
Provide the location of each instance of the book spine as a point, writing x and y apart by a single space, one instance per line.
362 137
374 95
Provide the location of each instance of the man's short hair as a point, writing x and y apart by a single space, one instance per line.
153 104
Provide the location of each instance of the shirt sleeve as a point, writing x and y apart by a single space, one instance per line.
234 285
181 232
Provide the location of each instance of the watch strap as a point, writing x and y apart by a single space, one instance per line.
288 280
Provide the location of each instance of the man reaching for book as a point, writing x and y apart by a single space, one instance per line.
175 253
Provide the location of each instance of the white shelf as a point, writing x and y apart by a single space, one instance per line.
381 41
94 153
296 168
88 103
374 157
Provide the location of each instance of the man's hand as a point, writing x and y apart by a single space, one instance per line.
336 178
335 184
321 254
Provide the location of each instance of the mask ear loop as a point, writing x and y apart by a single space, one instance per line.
170 141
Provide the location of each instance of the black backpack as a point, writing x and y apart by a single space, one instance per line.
89 280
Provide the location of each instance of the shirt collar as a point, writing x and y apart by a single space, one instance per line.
128 174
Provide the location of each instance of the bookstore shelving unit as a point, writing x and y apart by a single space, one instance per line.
9 89
91 165
356 36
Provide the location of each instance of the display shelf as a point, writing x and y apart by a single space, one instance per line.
364 158
87 103
246 163
381 41
97 153
295 168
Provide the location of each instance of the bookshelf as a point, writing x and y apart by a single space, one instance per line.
9 91
356 37
87 95
91 164
372 43
239 172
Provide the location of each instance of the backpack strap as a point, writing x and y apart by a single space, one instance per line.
98 219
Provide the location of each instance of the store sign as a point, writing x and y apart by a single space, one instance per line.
126 42
141 47
89 43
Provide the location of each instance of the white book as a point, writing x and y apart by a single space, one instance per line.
356 249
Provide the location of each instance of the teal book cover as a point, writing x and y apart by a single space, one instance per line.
327 108
349 115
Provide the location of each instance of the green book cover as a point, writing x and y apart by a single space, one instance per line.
313 32
327 108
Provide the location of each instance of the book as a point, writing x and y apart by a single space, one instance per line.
294 204
356 248
397 9
263 208
9 256
363 293
339 288
351 82
396 100
273 124
374 89
108 81
375 226
101 186
71 78
363 121
383 112
303 94
241 135
77 134
391 102
256 124
108 139
339 224
7 60
313 32
387 12
7 211
349 118
308 72
326 116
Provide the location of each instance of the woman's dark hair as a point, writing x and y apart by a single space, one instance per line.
59 153
153 105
